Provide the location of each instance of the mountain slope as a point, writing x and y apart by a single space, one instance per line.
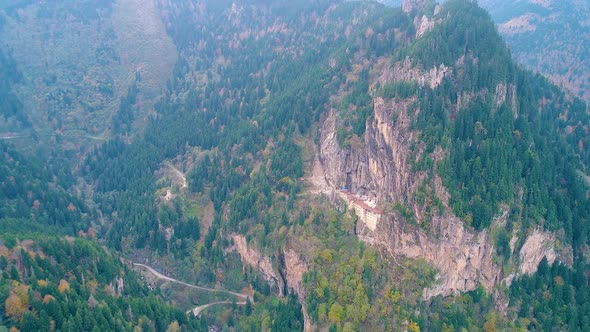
50 283
89 70
38 195
352 167
550 37
447 139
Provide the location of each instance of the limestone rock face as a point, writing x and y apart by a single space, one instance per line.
537 245
410 5
295 266
423 25
288 276
378 168
255 259
407 71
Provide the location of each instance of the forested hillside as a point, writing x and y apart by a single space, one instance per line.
83 71
550 37
49 284
34 193
309 165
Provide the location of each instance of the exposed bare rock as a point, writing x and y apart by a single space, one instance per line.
464 259
406 71
377 169
519 24
506 94
255 259
411 5
500 96
120 282
423 25
538 245
380 170
294 268
289 278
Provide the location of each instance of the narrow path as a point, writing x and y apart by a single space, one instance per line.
14 137
163 277
197 310
86 136
53 134
178 172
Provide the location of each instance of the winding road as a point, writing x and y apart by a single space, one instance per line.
14 137
63 135
197 310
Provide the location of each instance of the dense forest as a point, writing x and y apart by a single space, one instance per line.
548 37
49 283
11 107
226 153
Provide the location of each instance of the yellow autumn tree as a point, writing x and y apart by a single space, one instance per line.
48 298
22 291
326 255
13 307
64 286
490 324
336 313
414 327
173 327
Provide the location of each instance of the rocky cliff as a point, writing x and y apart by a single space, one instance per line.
255 259
378 168
287 277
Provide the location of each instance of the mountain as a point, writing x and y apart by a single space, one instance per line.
317 165
550 37
51 283
83 71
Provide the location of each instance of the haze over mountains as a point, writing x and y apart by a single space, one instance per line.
87 69
285 166
547 36
550 37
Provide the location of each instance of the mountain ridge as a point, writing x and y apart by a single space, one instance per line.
353 167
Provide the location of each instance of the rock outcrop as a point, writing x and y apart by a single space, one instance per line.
295 266
255 259
378 168
407 71
288 277
410 5
537 245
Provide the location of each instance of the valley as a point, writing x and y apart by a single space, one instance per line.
196 165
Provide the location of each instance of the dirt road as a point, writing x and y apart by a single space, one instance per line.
167 278
177 172
197 310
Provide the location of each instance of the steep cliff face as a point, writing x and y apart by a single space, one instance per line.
255 259
378 168
538 245
295 266
288 277
411 5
